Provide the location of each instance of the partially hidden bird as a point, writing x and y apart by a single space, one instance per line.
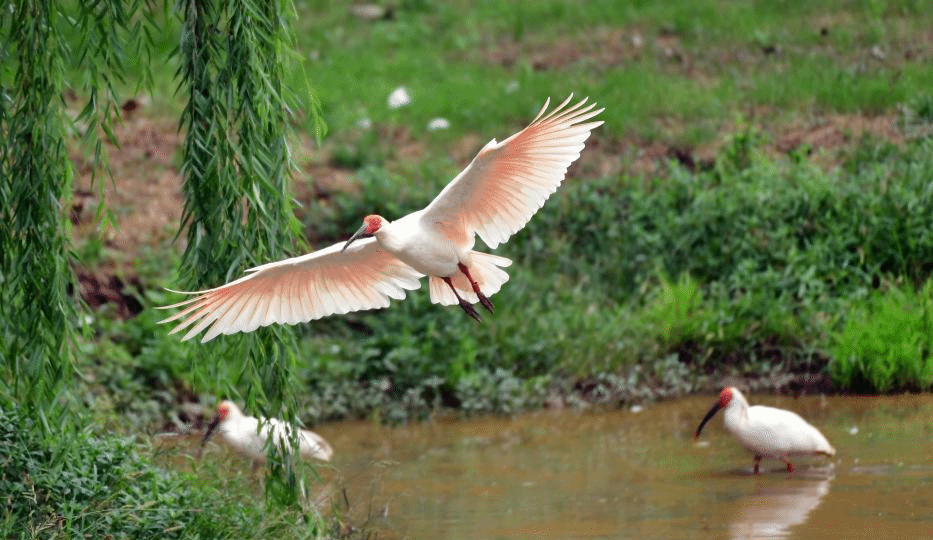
768 432
244 434
493 197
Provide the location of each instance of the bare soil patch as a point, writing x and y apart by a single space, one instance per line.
146 202
145 195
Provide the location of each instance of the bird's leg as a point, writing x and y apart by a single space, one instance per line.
757 462
483 299
790 467
463 303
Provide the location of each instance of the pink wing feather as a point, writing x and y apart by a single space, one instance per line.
298 290
507 182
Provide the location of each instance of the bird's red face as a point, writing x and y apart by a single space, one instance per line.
724 398
223 410
371 225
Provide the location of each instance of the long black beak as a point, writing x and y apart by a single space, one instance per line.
360 233
712 412
210 430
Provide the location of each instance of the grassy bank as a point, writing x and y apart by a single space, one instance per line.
626 289
762 174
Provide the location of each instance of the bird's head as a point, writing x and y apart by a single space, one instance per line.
371 225
225 409
724 398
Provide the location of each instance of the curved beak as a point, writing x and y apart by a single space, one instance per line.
210 431
360 233
712 412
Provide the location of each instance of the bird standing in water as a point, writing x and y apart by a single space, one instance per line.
493 198
768 432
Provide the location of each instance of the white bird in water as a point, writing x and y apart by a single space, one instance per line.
245 436
768 432
493 197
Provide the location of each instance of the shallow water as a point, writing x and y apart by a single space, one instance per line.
639 475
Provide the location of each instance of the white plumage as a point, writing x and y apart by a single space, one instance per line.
245 436
768 432
493 198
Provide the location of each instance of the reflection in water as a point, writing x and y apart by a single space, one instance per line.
773 509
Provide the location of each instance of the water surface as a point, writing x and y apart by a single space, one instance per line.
621 474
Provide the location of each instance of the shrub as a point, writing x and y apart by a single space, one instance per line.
888 343
764 252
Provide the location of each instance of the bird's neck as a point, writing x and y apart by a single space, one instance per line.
736 414
389 237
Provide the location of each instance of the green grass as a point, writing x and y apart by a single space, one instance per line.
69 484
887 343
699 63
446 54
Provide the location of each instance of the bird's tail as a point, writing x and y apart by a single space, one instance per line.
486 271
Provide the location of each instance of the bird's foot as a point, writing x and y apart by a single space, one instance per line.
486 302
468 308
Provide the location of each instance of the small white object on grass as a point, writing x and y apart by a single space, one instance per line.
399 98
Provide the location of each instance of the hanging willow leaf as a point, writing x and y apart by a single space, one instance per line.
237 182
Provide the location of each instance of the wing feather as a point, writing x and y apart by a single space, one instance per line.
296 290
508 181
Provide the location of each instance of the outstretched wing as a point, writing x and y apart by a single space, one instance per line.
507 182
299 289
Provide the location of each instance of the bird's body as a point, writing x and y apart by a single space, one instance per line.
419 244
493 198
244 434
768 432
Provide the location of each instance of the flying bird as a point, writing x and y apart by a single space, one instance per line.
493 198
244 435
768 432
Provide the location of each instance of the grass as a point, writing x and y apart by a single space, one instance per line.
886 343
75 485
697 63
663 70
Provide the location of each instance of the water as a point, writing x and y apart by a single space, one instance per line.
639 475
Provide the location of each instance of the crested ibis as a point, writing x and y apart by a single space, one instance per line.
493 197
768 432
243 434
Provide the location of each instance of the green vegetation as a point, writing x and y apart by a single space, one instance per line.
674 71
69 484
758 205
887 343
770 256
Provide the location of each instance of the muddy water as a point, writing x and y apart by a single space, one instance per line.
640 475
